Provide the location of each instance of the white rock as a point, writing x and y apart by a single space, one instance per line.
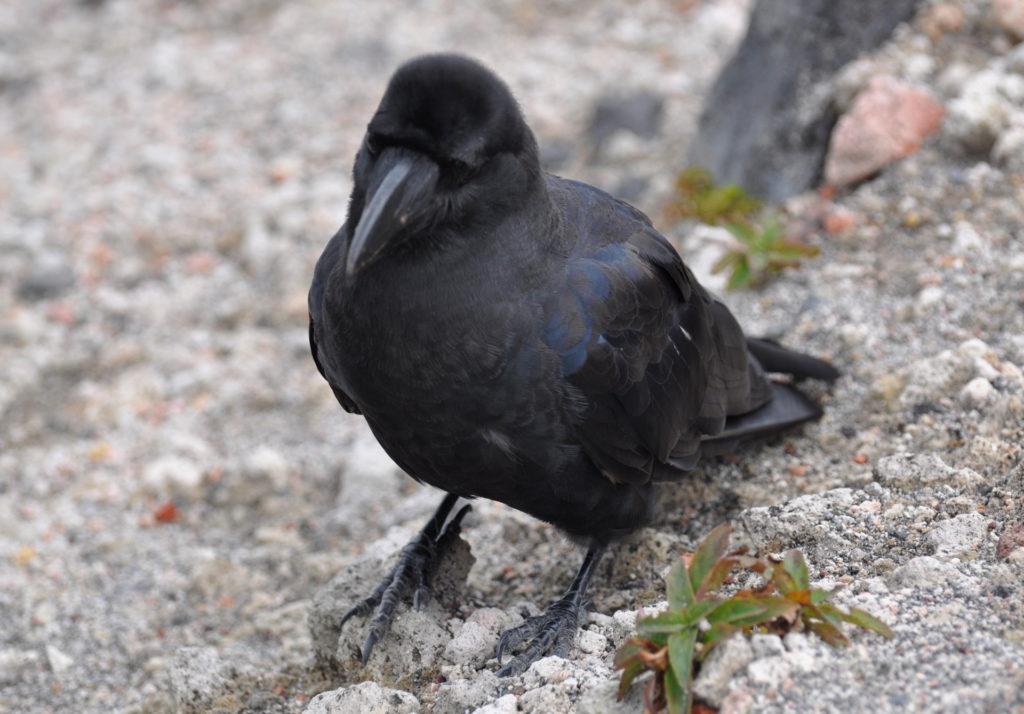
416 640
172 475
718 669
15 663
591 642
909 472
507 704
984 108
461 695
798 520
365 698
935 377
766 645
268 464
473 644
768 672
977 392
59 662
930 296
1008 151
199 675
547 669
967 241
959 536
925 573
625 619
973 348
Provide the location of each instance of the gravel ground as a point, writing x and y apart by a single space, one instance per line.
178 488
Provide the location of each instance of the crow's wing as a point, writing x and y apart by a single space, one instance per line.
328 259
660 362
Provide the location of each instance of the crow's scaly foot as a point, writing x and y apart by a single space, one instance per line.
412 573
553 632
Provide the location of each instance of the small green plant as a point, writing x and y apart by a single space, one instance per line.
759 251
761 246
673 643
697 197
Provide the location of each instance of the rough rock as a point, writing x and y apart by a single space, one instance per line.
204 678
400 654
888 120
932 378
172 475
908 472
767 122
959 536
988 104
466 694
924 572
1010 16
507 704
365 698
475 639
977 392
712 683
15 663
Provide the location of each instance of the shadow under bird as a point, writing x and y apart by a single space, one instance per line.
512 335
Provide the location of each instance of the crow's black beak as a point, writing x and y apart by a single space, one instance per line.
397 199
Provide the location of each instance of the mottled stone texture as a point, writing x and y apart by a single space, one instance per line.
767 122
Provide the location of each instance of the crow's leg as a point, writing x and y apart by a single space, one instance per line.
552 632
412 573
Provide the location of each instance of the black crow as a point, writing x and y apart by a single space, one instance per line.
513 335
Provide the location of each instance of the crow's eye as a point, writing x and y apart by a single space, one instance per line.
372 144
458 171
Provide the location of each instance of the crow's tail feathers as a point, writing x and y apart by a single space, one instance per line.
788 407
776 358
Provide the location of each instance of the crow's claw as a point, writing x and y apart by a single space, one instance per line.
551 633
412 574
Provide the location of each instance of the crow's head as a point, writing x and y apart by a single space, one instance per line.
447 152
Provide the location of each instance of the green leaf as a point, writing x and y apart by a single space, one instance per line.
680 658
740 274
680 592
831 634
829 613
860 618
819 596
747 611
664 624
695 612
743 233
795 249
715 577
795 565
717 633
783 580
725 261
627 652
711 548
629 673
675 698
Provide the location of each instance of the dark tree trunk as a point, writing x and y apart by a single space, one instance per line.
767 122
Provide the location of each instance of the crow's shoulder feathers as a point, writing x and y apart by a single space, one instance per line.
660 362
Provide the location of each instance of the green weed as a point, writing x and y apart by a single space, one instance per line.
674 643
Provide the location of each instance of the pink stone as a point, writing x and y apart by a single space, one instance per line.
888 120
1010 16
